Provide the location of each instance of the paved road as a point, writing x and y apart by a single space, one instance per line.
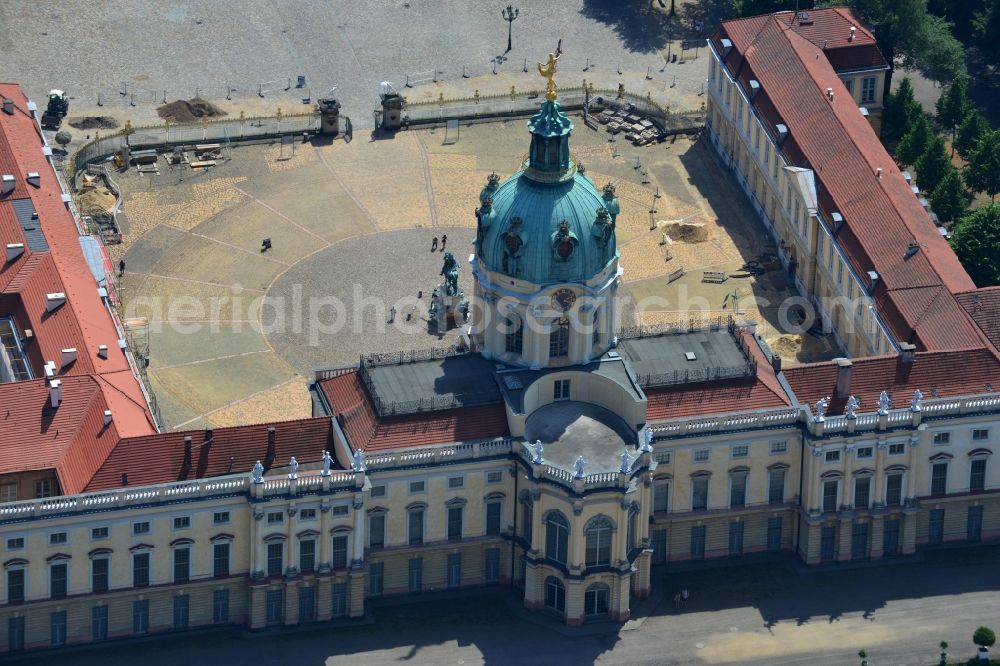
189 46
757 614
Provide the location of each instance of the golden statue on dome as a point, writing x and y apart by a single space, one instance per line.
549 71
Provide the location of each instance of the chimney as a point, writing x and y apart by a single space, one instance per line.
8 106
782 130
7 183
50 369
776 363
829 94
754 88
838 221
55 392
727 46
844 366
14 250
853 31
102 351
186 463
124 478
878 172
872 280
863 111
53 301
271 445
34 179
68 356
107 417
907 352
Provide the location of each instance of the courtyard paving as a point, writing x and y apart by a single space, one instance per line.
234 333
768 613
131 56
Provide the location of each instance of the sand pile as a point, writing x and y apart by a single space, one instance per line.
687 232
93 122
189 110
787 346
96 200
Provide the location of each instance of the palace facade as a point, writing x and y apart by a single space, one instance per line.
561 455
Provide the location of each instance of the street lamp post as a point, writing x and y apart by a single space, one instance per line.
509 14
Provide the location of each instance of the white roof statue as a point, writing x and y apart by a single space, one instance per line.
327 461
647 439
581 464
821 406
918 395
537 449
884 403
626 462
852 406
293 468
257 473
359 460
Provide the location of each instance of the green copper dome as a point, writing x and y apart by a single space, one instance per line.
547 223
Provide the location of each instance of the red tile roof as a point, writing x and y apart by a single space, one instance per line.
91 384
72 440
160 458
881 215
719 397
949 374
983 305
349 399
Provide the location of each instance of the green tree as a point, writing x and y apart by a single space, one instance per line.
933 165
754 7
914 142
972 129
983 172
986 28
975 240
899 111
952 107
907 35
984 637
949 199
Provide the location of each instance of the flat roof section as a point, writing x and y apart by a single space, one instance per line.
457 380
682 358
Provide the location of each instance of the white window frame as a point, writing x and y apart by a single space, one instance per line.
697 453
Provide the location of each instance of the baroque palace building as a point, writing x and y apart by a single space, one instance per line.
562 457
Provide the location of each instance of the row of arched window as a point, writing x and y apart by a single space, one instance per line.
597 538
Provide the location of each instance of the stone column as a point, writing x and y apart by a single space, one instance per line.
641 573
291 600
877 535
908 537
574 602
325 544
359 537
324 598
257 613
844 540
258 565
619 610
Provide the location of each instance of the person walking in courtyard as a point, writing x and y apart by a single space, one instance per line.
434 244
444 241
121 268
685 595
392 314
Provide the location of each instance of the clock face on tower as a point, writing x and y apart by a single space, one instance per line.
563 299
